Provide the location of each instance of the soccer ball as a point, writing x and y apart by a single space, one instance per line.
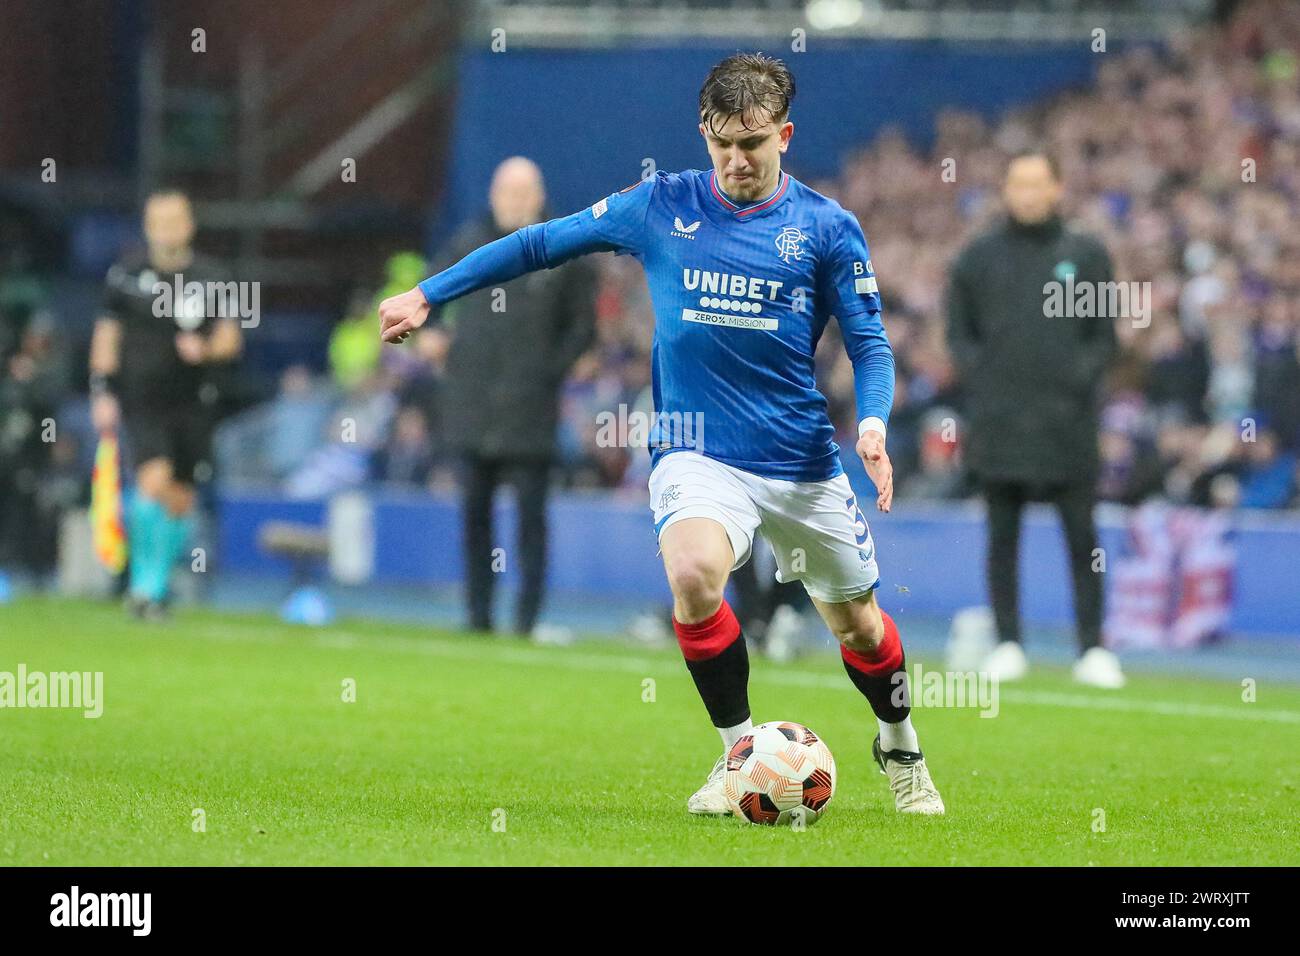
780 773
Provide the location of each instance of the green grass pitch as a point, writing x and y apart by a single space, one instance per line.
463 750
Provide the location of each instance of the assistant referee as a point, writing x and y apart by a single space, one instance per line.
151 363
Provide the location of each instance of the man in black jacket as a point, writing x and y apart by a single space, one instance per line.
1031 353
511 348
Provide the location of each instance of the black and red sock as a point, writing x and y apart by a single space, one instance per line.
882 677
719 664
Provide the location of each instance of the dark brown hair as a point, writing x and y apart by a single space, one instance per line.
753 86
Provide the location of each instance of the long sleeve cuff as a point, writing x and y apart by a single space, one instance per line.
499 261
871 424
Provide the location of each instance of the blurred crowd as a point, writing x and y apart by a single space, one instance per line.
40 476
1185 160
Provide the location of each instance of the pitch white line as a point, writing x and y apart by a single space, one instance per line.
471 649
1165 708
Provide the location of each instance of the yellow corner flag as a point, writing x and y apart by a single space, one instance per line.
106 506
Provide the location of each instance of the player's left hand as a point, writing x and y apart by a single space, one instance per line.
400 315
871 449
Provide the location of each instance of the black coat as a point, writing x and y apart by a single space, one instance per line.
1031 383
506 364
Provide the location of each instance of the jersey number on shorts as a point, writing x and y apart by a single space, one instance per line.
859 521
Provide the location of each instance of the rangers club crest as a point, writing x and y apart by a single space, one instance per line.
789 244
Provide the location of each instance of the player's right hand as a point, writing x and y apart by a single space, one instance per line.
104 413
871 449
400 315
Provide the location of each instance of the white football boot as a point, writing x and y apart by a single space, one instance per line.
909 778
1099 667
708 801
1006 662
784 635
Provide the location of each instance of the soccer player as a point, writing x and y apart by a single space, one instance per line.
149 361
746 266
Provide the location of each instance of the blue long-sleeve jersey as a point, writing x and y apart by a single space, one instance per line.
741 296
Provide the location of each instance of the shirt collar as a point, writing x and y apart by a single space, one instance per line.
744 212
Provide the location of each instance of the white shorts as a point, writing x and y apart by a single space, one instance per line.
817 533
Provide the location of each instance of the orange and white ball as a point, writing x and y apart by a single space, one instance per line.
780 773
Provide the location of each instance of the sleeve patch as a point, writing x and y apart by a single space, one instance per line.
600 209
865 286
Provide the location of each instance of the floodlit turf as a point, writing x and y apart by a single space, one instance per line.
583 761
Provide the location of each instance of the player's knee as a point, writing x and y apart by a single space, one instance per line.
863 635
697 585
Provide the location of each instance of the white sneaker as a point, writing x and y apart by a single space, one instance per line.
553 635
708 801
1099 667
1006 662
909 778
784 635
